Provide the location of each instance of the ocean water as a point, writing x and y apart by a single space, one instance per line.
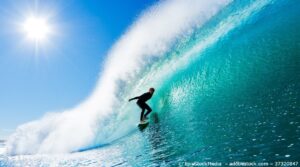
227 91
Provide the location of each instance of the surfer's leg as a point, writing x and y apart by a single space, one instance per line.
142 114
142 106
148 110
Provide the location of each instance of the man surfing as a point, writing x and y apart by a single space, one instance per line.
142 103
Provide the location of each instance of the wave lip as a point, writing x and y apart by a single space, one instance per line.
91 122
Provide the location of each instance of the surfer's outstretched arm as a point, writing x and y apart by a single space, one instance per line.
134 98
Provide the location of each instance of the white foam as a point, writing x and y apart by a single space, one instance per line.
2 150
89 123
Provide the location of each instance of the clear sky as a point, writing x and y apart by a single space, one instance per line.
60 70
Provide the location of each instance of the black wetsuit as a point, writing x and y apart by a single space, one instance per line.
142 103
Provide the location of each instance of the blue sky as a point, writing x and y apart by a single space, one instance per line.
68 63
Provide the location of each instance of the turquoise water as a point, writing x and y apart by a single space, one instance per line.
238 99
230 92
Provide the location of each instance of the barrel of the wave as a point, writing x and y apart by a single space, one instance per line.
238 99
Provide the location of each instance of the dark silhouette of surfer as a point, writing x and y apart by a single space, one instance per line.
142 103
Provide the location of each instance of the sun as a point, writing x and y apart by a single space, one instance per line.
36 28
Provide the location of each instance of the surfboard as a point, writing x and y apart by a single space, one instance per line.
143 125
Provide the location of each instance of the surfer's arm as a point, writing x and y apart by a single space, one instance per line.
134 98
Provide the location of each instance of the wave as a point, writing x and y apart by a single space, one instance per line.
128 71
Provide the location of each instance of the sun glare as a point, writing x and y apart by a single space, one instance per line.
36 28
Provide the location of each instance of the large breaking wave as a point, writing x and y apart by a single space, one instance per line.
138 60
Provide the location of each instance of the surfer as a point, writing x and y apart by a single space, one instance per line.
142 103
